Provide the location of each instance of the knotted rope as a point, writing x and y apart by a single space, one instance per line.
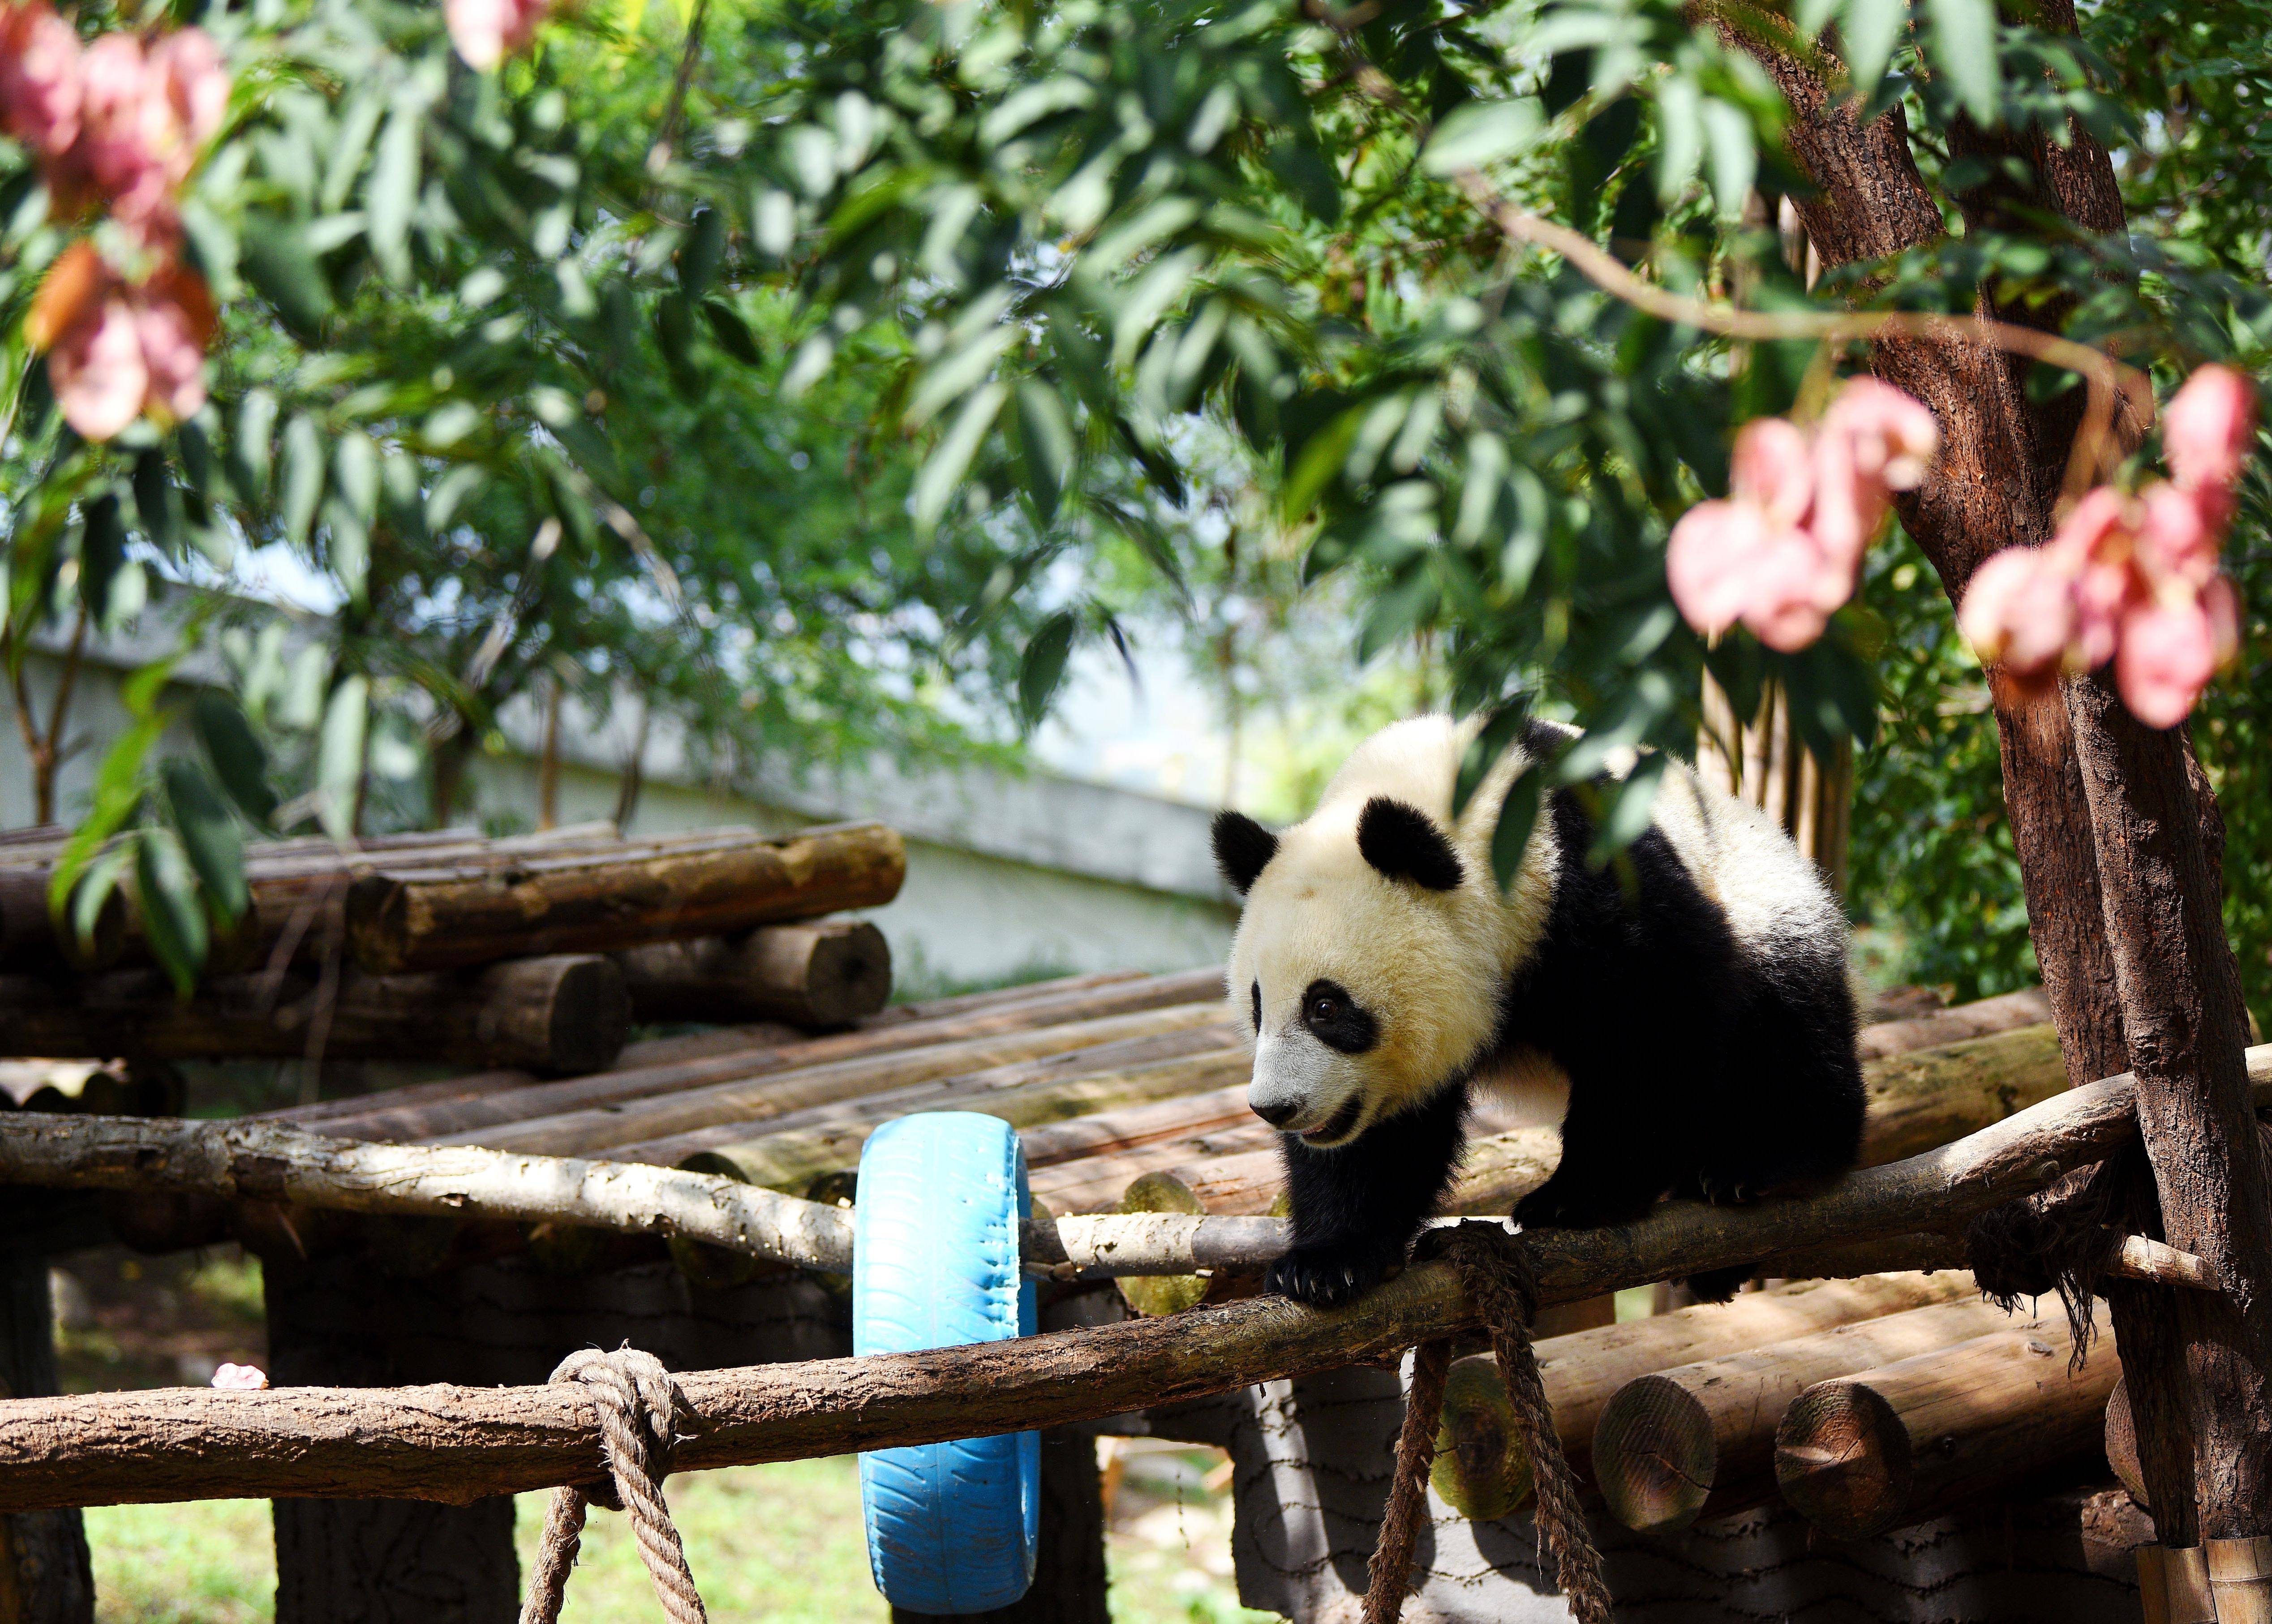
1495 1269
639 1406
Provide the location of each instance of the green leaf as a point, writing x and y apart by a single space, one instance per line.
102 554
1482 132
1321 460
354 474
277 261
171 917
941 473
1680 134
338 757
87 897
1043 665
394 192
249 444
154 502
1734 160
1872 28
732 333
209 835
674 331
301 479
1045 445
1962 45
1517 815
239 759
1304 173
706 247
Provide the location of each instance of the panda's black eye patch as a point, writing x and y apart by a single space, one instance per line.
1256 993
1336 1020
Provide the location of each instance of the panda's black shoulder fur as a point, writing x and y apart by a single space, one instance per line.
1696 1068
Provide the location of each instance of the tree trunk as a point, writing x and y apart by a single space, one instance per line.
2187 1027
1995 485
45 1574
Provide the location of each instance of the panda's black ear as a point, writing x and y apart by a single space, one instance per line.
1404 843
1241 848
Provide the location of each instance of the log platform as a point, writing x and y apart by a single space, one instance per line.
1112 1082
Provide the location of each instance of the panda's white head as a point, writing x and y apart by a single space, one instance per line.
1369 959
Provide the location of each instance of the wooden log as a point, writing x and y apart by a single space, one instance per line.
2121 1438
563 1013
1482 1470
32 942
458 1444
470 1115
830 973
440 918
1151 1295
1886 1448
672 1127
831 1137
1982 1018
1699 1439
46 1574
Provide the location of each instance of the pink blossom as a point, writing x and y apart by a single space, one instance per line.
1893 437
239 1379
39 78
100 376
187 65
1783 551
2167 655
2209 428
2176 538
486 32
2020 610
1769 468
115 350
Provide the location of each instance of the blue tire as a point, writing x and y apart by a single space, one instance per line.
952 1527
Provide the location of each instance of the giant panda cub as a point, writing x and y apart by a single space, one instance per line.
1699 1010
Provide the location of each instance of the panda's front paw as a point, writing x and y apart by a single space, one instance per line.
1324 1275
1546 1208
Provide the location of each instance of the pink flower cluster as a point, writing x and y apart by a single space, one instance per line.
486 32
1785 549
2134 579
117 126
239 1379
116 349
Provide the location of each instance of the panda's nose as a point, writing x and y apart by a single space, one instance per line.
1277 1113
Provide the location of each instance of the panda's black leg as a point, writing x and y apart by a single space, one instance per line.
1608 1172
1356 1208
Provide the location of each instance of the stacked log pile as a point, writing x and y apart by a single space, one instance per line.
535 953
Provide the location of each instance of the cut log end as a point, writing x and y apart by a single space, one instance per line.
1154 1295
1654 1456
1843 1460
1480 1470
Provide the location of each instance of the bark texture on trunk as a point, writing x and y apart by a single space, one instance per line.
2145 822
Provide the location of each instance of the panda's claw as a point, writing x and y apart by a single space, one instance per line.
1324 1276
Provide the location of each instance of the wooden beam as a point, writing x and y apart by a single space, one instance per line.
478 1115
828 973
1481 1469
1697 1439
1883 1449
562 1012
458 1444
440 918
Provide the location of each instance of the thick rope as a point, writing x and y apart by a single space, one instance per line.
1391 1568
1495 1269
639 1406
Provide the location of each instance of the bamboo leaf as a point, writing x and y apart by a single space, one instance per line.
239 759
942 471
1044 666
1482 132
339 755
208 835
1962 45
